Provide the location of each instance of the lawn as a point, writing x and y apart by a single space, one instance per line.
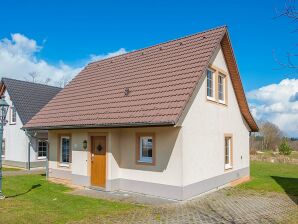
10 169
273 177
31 199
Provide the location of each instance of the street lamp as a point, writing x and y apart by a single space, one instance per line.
3 112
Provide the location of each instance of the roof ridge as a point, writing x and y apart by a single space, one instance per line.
155 45
34 83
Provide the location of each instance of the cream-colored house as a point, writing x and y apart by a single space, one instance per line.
170 120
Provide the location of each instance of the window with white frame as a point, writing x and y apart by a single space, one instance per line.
146 149
42 149
228 152
65 150
221 88
13 115
210 84
3 148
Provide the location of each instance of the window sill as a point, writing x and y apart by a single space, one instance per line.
145 162
211 99
42 158
228 167
11 123
217 102
65 165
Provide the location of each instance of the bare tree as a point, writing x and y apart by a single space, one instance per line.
62 82
47 81
32 77
271 136
289 11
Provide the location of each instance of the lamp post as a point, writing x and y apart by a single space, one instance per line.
3 112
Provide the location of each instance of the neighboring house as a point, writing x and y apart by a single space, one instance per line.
169 120
25 100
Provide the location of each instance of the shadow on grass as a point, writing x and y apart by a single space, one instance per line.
26 192
290 186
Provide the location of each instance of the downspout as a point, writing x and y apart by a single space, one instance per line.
29 138
29 165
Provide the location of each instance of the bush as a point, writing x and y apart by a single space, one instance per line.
284 148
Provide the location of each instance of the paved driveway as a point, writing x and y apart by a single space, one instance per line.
224 206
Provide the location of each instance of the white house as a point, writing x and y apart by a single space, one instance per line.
169 120
25 99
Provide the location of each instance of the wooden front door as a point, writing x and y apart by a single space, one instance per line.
98 161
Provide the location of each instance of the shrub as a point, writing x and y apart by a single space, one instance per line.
284 148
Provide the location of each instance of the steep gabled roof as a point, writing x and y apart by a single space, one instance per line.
28 98
147 87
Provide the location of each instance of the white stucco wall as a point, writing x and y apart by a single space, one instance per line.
121 154
16 141
203 134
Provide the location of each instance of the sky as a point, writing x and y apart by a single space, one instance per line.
56 39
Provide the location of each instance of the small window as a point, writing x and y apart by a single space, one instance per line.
13 115
42 149
65 150
3 148
210 84
146 149
221 88
228 152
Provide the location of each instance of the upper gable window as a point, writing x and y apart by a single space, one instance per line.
210 84
221 88
13 115
217 85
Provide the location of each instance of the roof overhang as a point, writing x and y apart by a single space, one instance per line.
122 125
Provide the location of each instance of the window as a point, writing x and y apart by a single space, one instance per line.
3 148
65 150
13 115
210 86
145 148
42 149
221 88
228 152
216 85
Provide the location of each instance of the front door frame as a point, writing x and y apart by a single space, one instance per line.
97 134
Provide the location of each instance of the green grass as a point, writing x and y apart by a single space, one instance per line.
10 169
273 177
31 199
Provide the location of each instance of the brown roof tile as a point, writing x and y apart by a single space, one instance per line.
160 80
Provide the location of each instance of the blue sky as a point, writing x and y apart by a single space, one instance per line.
68 33
75 29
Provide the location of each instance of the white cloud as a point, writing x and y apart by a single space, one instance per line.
18 58
277 103
109 55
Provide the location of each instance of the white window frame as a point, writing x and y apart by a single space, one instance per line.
229 155
220 75
145 159
12 108
212 84
64 164
42 157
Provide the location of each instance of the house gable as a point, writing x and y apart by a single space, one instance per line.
205 126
